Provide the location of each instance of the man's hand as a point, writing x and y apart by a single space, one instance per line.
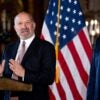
16 68
2 67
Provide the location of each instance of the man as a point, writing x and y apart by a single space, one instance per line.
38 63
93 91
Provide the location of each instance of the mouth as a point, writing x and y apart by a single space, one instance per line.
24 31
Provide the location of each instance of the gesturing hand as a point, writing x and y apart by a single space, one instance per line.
16 68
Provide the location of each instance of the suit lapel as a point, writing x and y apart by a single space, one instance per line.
12 55
15 49
32 47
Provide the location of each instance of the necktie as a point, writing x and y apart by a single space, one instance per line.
21 53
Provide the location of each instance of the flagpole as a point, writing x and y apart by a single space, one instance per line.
57 43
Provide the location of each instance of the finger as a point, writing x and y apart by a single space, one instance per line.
12 67
3 63
12 61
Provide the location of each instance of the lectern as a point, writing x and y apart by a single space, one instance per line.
13 85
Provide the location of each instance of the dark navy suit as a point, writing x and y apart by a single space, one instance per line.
93 92
39 63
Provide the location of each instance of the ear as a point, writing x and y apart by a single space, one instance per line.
34 25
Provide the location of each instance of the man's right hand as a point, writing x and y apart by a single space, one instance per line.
2 67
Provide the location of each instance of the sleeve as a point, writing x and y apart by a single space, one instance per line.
47 64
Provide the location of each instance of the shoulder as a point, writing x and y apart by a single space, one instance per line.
12 45
44 46
44 43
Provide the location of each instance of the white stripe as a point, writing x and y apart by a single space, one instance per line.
64 84
54 91
79 84
87 35
82 54
74 72
46 33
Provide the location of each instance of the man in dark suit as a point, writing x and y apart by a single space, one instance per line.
93 91
38 64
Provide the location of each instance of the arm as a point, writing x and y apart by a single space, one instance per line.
46 67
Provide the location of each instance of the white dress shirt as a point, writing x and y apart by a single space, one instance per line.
27 44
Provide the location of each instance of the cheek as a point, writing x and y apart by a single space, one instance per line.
17 28
31 28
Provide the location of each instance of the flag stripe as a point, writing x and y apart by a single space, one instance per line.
86 44
61 91
55 91
69 78
83 56
46 33
79 65
65 85
73 70
52 97
75 51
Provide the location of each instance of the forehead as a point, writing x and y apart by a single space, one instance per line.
23 17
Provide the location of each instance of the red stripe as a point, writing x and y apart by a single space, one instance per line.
86 44
69 78
61 91
82 72
51 95
42 37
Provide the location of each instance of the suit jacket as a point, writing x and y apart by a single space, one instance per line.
39 63
93 91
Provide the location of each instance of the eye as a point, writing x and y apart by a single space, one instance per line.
19 23
28 22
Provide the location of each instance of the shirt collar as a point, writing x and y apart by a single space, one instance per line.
28 41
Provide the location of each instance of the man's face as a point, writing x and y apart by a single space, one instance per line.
24 26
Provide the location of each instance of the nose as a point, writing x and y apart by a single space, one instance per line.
24 25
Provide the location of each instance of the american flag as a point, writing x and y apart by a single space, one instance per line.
75 50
